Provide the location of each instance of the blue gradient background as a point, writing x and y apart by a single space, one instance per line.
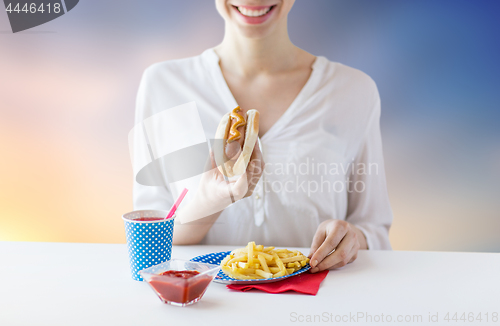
67 94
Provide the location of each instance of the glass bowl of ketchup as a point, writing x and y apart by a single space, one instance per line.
180 282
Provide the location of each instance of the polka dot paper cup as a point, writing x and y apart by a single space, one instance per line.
149 239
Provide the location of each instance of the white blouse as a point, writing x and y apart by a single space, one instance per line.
323 156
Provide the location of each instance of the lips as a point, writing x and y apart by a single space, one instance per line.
254 14
253 11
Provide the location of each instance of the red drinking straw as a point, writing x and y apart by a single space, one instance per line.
176 204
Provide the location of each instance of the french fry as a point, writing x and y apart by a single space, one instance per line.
274 270
263 264
280 273
260 272
246 271
238 276
293 259
225 260
279 263
259 262
238 251
267 256
250 251
236 259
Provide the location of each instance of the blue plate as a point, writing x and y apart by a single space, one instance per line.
216 257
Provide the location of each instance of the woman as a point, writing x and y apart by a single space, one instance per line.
323 183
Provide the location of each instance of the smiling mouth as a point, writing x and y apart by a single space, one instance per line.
254 13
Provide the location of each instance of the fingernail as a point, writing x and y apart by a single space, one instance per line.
314 263
314 270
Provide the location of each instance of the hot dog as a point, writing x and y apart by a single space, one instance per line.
238 132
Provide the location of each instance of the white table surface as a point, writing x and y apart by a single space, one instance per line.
89 284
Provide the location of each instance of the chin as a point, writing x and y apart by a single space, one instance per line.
255 32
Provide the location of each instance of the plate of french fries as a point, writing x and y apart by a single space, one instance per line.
266 264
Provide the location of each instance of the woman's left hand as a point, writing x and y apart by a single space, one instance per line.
340 235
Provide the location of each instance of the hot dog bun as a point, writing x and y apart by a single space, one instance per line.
231 168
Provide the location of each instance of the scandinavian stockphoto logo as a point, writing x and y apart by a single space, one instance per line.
24 15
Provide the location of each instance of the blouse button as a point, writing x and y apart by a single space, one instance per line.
257 196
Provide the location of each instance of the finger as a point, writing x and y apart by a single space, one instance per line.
256 153
210 164
253 174
210 170
355 250
256 148
255 169
318 239
246 183
258 161
340 264
354 257
233 150
333 238
341 256
240 187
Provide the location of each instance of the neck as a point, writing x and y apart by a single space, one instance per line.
251 56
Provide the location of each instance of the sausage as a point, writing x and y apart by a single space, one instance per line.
236 135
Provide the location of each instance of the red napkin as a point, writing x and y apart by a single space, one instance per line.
306 283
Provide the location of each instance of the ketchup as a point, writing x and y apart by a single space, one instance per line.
146 219
180 286
181 274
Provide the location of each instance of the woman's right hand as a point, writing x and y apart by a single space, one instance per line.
216 186
215 193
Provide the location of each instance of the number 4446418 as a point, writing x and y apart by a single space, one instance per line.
33 8
472 317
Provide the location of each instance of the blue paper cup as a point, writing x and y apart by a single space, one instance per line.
149 242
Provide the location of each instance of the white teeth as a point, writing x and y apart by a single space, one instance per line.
253 13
